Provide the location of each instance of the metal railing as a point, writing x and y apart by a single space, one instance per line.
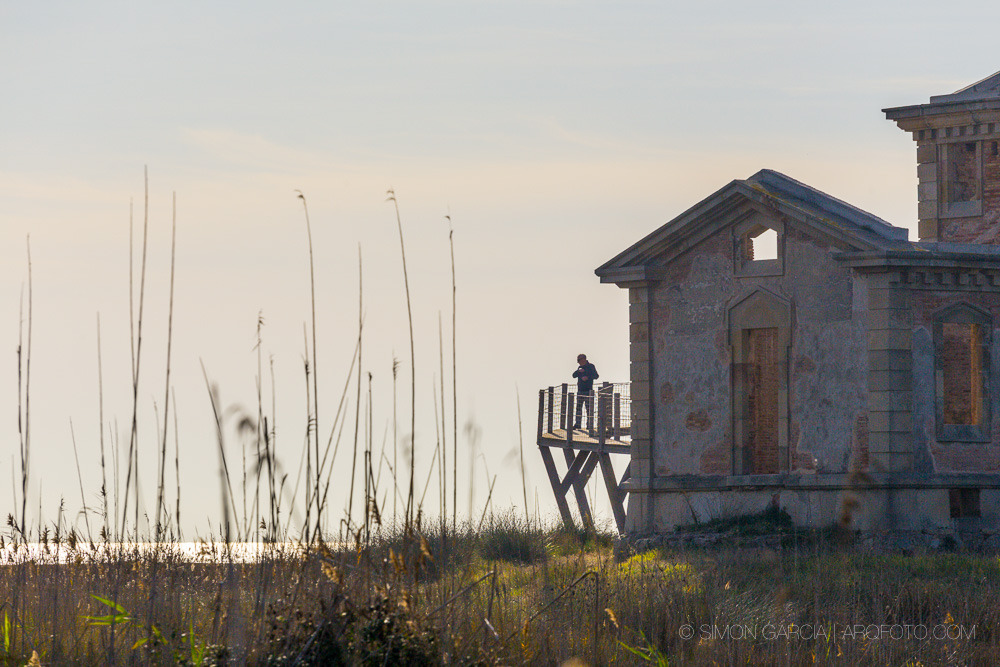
607 413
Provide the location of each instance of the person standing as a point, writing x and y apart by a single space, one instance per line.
585 376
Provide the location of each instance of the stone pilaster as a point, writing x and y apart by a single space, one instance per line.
640 514
927 191
890 376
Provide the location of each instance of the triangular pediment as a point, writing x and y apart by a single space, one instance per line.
765 195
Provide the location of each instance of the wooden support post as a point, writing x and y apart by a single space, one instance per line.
562 405
616 433
541 414
551 406
591 416
602 417
569 427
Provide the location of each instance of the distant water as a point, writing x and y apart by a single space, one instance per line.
193 552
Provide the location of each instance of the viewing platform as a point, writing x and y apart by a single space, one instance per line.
606 420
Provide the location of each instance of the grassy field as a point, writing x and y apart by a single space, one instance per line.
504 589
509 593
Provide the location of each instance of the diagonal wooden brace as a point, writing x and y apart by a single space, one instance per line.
584 462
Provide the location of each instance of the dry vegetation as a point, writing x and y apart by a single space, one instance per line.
506 593
502 589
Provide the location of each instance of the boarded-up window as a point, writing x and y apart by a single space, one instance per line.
960 172
962 335
762 383
962 366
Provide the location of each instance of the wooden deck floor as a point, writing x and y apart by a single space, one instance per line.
583 441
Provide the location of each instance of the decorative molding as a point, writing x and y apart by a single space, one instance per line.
968 132
953 279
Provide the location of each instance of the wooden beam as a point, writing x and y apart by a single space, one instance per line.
615 494
550 468
541 413
583 467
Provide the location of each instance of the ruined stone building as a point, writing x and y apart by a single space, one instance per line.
789 348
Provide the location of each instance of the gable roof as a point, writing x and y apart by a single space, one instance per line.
817 212
984 88
982 96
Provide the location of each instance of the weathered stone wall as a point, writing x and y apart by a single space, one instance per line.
935 223
874 511
691 387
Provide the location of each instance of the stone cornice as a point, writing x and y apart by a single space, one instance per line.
941 115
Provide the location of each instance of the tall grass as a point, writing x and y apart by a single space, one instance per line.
503 593
502 588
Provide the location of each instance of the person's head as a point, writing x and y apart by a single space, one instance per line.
581 359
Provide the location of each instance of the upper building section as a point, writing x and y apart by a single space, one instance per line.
746 210
958 162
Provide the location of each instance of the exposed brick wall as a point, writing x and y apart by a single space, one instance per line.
961 365
762 399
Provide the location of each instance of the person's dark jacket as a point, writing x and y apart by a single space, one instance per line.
585 376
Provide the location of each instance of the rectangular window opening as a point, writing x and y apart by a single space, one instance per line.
964 503
962 370
759 246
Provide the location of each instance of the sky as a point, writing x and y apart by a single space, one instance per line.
554 135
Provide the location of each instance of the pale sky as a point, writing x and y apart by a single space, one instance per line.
554 133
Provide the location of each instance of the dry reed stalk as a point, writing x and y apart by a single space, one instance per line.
166 390
437 449
273 438
260 424
24 400
113 430
243 460
308 442
226 488
177 466
341 418
100 416
443 465
357 407
79 477
454 380
371 490
520 445
395 436
315 369
133 453
413 371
